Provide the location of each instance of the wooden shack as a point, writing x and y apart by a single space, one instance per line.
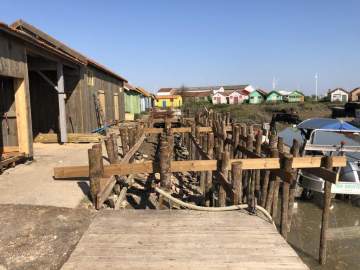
47 87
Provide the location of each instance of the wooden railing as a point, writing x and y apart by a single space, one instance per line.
234 164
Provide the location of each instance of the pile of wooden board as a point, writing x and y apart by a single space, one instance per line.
72 138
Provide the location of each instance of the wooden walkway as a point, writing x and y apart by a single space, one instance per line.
181 239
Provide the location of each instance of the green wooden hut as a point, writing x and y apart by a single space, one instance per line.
132 102
274 96
257 96
295 96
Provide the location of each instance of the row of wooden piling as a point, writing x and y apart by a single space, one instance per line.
100 186
226 141
253 187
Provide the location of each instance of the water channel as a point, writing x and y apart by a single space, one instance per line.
344 248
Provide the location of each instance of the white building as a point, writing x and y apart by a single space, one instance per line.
338 95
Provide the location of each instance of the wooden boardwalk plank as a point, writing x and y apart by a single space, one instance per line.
181 239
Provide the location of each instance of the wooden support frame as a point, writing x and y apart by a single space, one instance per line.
61 97
23 116
196 165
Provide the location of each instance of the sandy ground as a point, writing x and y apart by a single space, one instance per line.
34 184
39 237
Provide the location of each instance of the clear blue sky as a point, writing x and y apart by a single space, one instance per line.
173 42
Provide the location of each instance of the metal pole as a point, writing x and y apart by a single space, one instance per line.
316 87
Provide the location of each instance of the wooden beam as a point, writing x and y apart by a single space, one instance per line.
202 153
61 98
105 188
7 149
249 154
182 130
194 165
42 75
7 161
59 45
325 174
23 116
204 129
133 150
72 138
161 130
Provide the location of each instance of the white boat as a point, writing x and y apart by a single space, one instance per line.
324 136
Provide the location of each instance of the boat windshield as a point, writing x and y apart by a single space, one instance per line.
322 137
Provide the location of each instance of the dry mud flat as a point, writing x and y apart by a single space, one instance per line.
39 237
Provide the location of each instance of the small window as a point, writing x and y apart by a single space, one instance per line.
90 78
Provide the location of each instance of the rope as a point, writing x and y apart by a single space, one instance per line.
211 209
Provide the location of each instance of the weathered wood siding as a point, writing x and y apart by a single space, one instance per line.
12 64
12 57
110 86
80 104
8 125
80 107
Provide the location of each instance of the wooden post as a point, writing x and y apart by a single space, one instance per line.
131 137
236 173
325 214
250 175
244 134
96 170
235 139
270 193
228 118
170 139
258 172
287 168
165 174
124 141
280 146
61 99
208 184
224 134
203 174
23 115
294 151
193 147
264 188
111 148
224 164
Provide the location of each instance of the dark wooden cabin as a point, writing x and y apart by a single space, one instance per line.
47 87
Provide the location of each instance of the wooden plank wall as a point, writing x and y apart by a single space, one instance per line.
80 106
13 63
12 57
8 125
77 110
81 117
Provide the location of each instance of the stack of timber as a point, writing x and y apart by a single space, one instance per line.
235 166
71 138
10 156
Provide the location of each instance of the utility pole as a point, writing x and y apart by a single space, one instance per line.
316 87
274 83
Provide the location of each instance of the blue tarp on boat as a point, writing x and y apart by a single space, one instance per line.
327 124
